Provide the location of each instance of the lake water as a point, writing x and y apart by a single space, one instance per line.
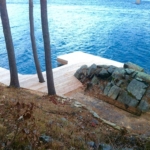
118 30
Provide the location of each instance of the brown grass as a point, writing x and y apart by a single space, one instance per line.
26 115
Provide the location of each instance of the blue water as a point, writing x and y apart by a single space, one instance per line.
118 30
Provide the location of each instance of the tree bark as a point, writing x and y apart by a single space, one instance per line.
9 45
34 48
46 38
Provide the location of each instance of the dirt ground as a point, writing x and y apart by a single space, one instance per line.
26 115
137 124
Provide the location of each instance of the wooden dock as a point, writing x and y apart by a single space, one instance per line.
64 79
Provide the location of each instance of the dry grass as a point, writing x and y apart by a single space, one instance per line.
25 116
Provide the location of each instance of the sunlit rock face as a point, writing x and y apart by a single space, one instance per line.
128 85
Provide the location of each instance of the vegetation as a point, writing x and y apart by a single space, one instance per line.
25 117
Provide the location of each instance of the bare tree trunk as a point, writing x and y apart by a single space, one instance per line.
34 49
9 45
46 38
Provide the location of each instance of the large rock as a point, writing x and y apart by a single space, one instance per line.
107 88
129 71
118 73
114 92
133 66
144 106
144 76
91 70
102 66
81 72
103 73
111 69
119 83
137 88
125 98
98 71
95 80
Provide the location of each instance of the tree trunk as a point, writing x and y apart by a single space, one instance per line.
46 38
9 45
34 49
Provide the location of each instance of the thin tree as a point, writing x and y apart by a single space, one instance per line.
34 48
9 45
46 38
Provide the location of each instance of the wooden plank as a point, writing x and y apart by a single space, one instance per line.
63 76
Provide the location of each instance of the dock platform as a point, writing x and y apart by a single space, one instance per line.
64 79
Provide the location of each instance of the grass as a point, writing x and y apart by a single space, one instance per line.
26 115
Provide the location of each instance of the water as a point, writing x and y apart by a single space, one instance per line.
118 30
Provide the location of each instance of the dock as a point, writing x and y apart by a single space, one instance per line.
64 79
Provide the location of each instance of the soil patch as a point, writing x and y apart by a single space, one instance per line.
31 121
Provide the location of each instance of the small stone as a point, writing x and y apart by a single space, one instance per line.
64 119
80 117
29 147
72 148
80 138
95 121
45 138
91 143
78 104
105 147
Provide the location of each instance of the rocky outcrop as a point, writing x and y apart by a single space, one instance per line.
128 85
133 66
